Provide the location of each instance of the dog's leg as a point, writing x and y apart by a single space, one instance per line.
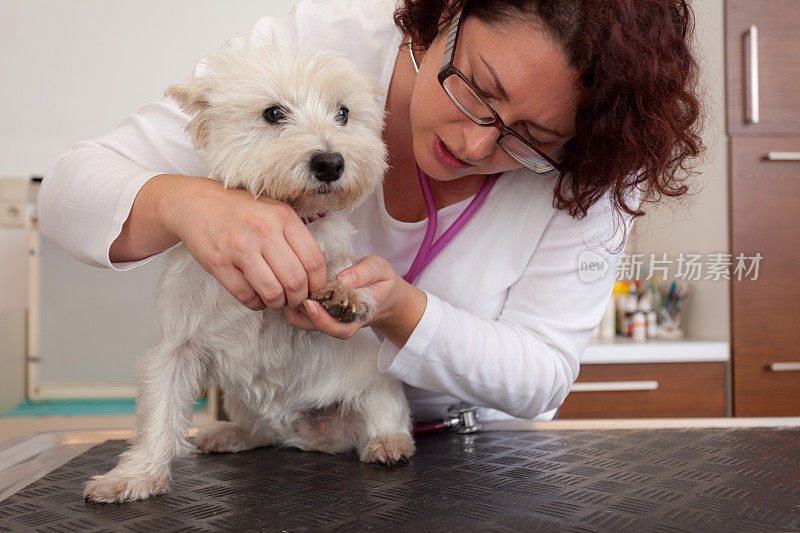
387 437
330 429
170 376
221 437
245 431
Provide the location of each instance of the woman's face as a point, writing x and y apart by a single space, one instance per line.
528 82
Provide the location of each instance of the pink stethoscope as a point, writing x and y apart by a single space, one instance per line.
462 417
430 249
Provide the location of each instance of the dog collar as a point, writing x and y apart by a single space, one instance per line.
309 220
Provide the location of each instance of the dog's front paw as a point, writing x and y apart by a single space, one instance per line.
389 449
344 303
118 487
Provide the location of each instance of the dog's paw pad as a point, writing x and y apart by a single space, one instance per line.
333 308
114 487
389 449
348 314
344 303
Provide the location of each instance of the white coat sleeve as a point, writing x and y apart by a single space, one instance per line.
88 193
524 362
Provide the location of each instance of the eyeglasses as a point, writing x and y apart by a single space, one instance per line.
468 99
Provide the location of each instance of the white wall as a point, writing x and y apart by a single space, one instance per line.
700 225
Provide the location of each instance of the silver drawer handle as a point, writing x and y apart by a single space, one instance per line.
605 386
783 156
784 367
752 35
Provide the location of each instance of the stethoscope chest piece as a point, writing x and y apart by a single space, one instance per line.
464 417
461 417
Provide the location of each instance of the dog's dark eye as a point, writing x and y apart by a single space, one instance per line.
342 114
274 115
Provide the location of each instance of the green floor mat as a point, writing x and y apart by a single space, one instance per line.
79 407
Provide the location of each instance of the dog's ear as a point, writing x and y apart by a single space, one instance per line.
193 99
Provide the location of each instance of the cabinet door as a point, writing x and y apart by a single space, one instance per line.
763 69
765 219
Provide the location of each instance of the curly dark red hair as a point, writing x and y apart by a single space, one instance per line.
638 116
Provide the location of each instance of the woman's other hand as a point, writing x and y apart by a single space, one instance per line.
257 248
400 304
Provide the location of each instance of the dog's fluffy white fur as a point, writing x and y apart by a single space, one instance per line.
282 386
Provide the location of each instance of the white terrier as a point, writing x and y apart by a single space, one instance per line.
305 130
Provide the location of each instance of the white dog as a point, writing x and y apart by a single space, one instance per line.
305 130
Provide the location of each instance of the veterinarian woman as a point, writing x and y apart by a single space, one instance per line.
583 107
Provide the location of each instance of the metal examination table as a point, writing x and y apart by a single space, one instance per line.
647 475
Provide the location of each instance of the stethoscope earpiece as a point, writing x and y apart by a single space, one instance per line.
411 54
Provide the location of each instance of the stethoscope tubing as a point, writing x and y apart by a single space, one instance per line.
430 249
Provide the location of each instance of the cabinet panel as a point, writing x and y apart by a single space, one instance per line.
645 390
775 62
765 218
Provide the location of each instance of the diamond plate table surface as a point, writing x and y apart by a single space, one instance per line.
586 480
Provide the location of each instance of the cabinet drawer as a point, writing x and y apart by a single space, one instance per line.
647 390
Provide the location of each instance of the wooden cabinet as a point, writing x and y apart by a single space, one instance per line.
763 90
647 390
765 219
763 68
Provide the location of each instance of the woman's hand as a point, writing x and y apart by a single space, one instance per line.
400 304
257 248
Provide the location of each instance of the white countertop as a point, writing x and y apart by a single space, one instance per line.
624 350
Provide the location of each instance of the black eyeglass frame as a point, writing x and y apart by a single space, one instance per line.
448 69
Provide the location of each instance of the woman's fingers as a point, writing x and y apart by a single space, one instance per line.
298 319
308 252
262 280
368 271
289 270
325 323
233 280
258 249
316 318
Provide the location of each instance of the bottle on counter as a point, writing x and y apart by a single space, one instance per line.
619 294
651 318
639 327
631 307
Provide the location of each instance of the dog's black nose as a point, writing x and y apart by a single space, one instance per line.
327 166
